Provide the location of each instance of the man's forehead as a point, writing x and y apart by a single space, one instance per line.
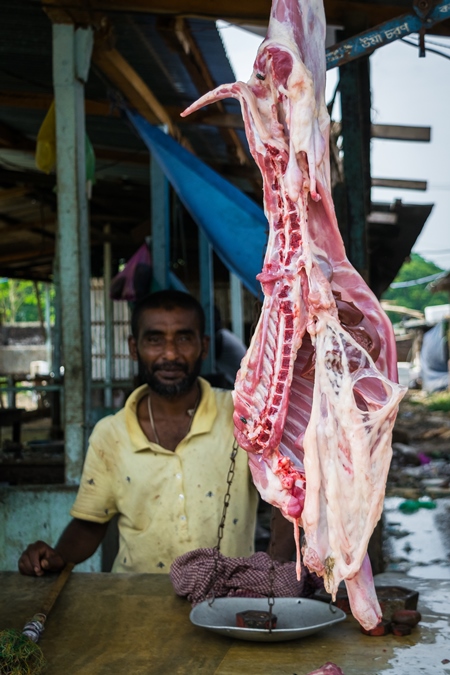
169 319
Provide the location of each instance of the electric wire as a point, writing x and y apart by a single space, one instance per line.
427 49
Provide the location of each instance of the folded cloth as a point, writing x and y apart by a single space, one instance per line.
194 577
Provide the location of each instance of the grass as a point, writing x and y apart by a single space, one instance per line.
438 401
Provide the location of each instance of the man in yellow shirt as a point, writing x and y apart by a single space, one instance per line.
161 463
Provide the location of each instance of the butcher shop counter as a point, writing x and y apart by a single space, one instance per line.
117 624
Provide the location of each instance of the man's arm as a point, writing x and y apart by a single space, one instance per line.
78 542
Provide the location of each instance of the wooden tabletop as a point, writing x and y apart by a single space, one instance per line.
118 624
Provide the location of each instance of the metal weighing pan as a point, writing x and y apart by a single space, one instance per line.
297 617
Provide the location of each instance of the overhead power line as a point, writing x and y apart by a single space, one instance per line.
428 49
417 282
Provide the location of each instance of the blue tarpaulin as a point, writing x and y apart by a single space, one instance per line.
235 226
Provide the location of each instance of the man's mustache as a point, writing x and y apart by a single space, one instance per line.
173 365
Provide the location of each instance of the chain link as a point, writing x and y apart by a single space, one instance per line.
226 499
220 530
226 503
271 597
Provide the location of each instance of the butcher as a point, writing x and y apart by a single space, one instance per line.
161 463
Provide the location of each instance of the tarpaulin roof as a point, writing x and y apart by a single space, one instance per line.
235 226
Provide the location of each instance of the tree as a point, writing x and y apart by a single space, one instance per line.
18 300
416 296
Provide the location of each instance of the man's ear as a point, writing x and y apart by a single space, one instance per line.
132 347
205 346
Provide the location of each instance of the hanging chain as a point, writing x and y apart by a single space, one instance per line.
226 499
226 503
220 530
271 596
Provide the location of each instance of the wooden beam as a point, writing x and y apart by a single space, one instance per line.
40 101
125 78
19 256
11 138
109 154
399 183
400 132
250 11
77 12
36 226
135 90
382 218
28 272
13 193
393 132
123 156
178 35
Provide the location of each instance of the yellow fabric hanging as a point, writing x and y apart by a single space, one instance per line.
46 142
46 147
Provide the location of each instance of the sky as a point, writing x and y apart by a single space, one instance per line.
406 90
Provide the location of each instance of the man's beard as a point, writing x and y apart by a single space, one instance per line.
147 376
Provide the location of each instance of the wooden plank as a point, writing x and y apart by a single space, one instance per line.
75 12
126 79
252 12
382 218
11 138
394 132
20 256
116 155
179 36
400 132
40 101
13 193
355 105
135 90
400 183
38 227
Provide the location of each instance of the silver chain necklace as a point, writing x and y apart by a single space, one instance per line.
191 412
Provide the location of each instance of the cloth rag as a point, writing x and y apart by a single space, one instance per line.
194 577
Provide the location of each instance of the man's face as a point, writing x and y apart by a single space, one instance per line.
169 350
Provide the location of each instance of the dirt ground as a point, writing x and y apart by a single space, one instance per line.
415 528
421 450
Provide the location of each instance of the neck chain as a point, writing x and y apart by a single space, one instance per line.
191 412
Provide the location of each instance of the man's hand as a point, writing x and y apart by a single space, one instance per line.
39 558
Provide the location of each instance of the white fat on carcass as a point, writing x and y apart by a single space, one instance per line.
314 410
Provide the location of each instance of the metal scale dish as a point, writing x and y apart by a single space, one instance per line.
297 617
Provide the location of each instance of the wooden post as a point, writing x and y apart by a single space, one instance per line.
237 321
71 57
160 226
108 318
207 297
355 104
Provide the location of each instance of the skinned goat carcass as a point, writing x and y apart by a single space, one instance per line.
316 395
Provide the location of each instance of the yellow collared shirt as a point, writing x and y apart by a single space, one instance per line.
168 502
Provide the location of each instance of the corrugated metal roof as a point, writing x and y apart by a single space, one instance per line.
122 159
26 47
149 44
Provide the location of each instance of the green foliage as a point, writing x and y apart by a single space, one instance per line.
18 300
415 297
438 401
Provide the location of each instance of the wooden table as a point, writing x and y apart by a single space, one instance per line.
117 624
